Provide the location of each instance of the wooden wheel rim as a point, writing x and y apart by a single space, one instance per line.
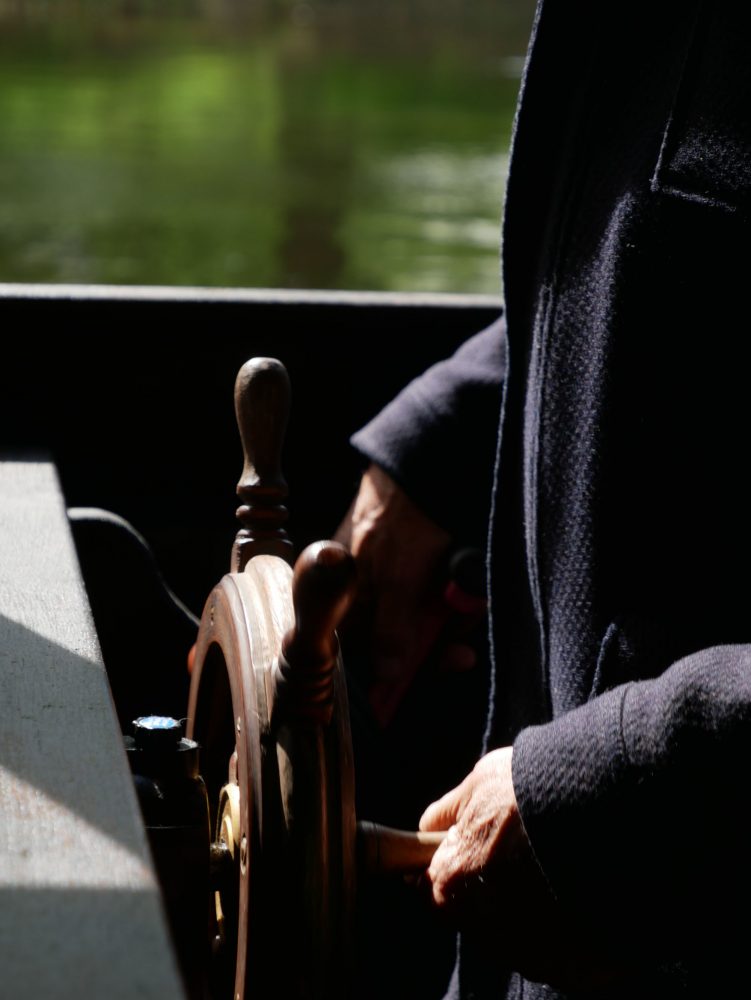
236 647
239 643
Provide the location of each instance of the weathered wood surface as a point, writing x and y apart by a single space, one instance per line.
80 914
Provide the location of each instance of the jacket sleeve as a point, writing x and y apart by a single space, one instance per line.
635 805
437 438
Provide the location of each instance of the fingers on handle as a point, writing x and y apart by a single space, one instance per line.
443 813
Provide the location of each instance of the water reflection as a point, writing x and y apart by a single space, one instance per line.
330 144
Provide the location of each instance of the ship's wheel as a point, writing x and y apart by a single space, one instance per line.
268 706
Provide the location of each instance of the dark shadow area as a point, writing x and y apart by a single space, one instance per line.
134 400
144 631
405 949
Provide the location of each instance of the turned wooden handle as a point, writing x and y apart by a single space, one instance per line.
385 851
322 590
262 395
323 587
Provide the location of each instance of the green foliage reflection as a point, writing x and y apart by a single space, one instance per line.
322 145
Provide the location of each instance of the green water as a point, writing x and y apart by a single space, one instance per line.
351 144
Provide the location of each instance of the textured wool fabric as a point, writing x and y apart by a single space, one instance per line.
620 523
443 458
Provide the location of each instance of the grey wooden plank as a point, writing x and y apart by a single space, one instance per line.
80 913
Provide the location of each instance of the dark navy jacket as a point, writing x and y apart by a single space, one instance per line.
621 524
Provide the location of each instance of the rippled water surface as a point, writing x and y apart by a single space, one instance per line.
348 144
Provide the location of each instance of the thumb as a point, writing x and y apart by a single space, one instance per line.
444 812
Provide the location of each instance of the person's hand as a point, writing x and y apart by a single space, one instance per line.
485 834
400 611
485 875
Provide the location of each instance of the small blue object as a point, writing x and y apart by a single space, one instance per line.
157 732
157 722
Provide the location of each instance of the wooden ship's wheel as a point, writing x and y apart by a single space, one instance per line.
268 706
